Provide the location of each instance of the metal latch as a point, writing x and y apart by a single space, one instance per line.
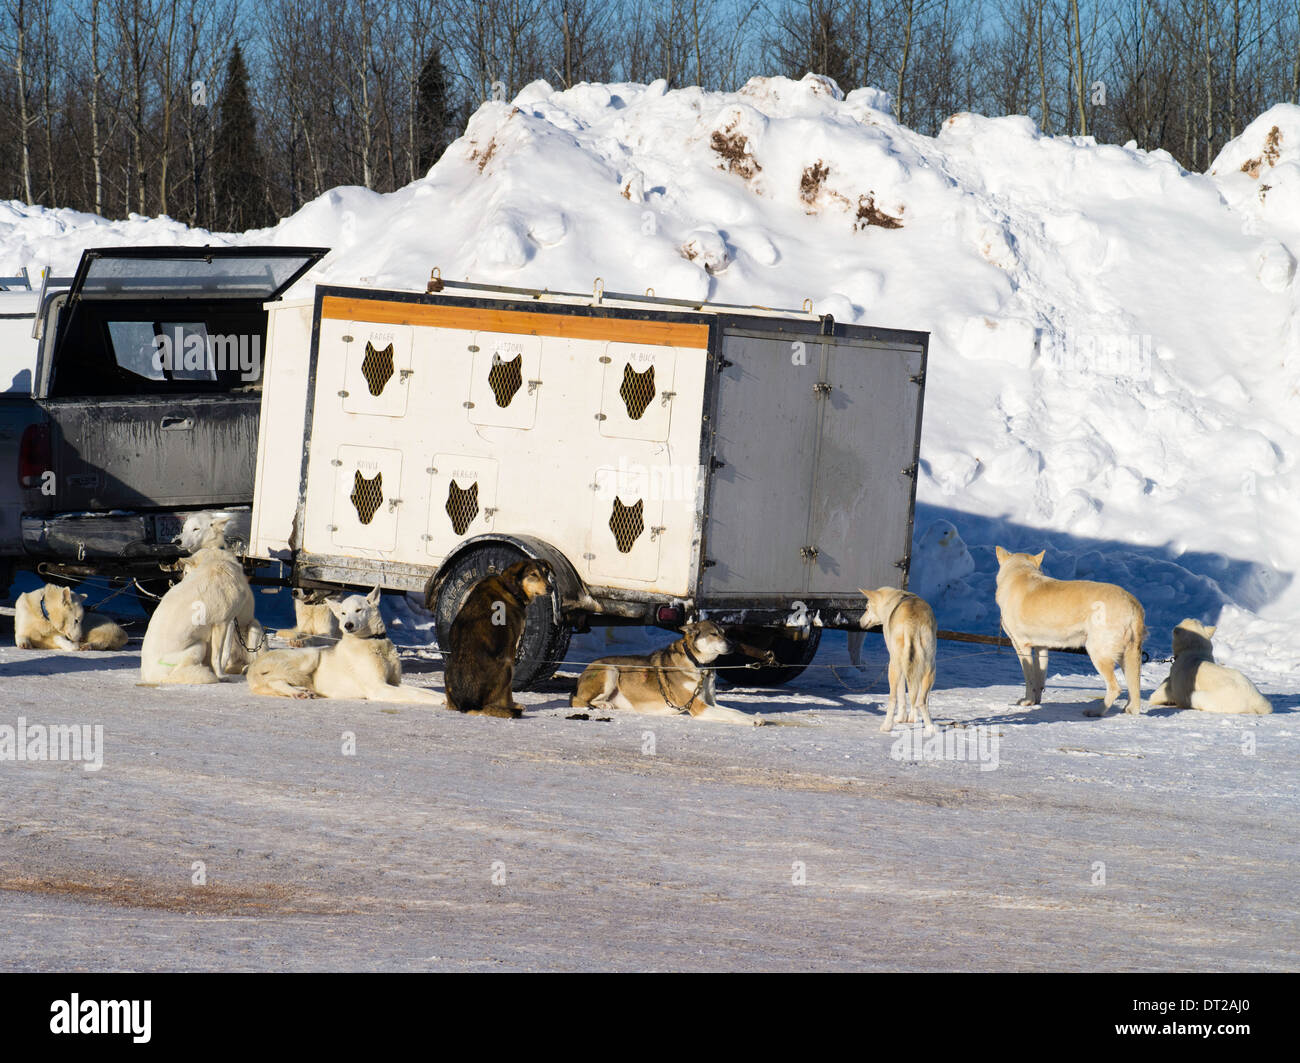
821 389
809 553
909 471
533 385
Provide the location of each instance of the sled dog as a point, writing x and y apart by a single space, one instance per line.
362 664
55 618
1040 613
1197 682
312 617
910 631
204 625
669 682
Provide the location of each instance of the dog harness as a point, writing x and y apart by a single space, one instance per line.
663 686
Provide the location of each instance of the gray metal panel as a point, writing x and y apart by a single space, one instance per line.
862 499
766 428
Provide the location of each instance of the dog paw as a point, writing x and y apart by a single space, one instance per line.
886 727
759 721
1025 702
929 732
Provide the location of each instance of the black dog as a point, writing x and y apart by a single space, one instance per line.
485 638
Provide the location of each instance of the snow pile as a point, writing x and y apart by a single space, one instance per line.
1115 350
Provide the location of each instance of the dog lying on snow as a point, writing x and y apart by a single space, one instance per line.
55 618
911 636
673 681
362 664
1040 613
1197 682
204 624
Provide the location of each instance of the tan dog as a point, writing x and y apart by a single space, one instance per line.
1040 613
363 664
54 618
312 617
1196 682
668 682
911 635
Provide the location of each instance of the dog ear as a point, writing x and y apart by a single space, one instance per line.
336 607
66 595
373 596
1002 555
1038 558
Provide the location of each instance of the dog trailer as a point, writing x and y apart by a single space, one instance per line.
671 460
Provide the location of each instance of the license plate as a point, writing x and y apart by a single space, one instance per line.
166 529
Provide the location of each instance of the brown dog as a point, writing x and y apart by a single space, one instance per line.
669 682
485 638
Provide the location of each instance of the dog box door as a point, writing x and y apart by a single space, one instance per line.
637 391
505 380
625 526
462 500
367 498
377 376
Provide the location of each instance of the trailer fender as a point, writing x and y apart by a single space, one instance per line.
573 592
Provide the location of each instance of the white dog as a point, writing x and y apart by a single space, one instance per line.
197 634
54 618
363 664
1196 682
911 635
1040 613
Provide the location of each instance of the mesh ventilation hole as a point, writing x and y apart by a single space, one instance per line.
462 505
506 378
377 367
367 495
638 390
626 524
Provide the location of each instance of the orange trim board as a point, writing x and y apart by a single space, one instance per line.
569 326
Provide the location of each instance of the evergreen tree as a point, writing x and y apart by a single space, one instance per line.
238 173
435 117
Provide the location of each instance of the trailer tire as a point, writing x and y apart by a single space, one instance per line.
794 654
546 635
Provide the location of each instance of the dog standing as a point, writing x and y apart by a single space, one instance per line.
1197 682
1040 613
362 664
54 618
480 664
312 617
911 636
670 682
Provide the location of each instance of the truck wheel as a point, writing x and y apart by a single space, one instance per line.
546 635
795 654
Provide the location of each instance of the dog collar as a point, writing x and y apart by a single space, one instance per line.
44 612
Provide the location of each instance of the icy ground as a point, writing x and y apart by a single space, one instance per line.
644 843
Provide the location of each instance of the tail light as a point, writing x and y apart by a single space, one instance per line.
35 458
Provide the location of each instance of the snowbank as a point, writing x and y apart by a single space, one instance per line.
1115 353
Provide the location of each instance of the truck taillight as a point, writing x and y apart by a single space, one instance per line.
34 456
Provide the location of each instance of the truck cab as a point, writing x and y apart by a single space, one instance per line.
144 405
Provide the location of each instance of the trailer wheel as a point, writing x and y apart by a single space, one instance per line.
546 635
795 654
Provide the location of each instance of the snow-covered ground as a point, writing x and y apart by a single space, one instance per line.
1114 376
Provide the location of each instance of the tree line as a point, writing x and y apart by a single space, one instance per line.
230 114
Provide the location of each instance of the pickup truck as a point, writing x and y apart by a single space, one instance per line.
132 398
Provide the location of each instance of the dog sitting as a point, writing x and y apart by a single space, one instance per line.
363 664
911 636
54 618
312 618
670 682
1197 682
480 664
1040 613
199 630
